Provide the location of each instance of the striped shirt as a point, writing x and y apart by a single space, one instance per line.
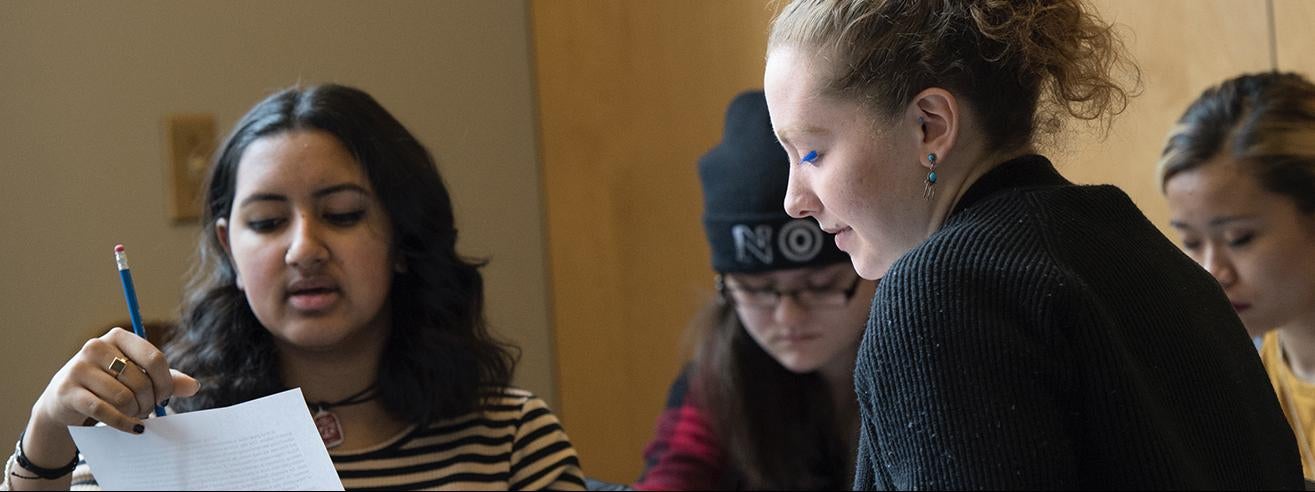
513 443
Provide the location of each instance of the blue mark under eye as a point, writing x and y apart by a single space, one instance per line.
812 156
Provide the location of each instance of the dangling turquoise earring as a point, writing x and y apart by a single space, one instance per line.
929 184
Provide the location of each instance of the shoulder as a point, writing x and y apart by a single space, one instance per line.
678 393
1040 213
993 247
510 404
1019 239
508 395
542 456
1049 202
503 412
989 277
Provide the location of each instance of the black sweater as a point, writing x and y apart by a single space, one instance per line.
1048 336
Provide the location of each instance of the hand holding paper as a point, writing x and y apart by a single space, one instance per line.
264 444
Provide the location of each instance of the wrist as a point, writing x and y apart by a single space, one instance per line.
41 422
46 443
39 471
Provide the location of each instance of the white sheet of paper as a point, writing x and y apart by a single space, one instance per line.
265 444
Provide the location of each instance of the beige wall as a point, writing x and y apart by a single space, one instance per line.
1183 47
1294 39
84 87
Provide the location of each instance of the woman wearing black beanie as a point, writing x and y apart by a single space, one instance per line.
768 401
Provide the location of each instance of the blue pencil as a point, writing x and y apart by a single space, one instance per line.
130 293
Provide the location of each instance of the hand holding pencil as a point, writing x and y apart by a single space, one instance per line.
118 378
134 312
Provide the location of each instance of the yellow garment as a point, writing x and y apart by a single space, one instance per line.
1296 396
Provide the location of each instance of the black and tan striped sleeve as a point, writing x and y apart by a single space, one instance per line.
82 477
542 457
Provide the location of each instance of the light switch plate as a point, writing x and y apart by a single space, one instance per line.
190 142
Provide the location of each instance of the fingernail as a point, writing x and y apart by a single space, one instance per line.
139 428
165 403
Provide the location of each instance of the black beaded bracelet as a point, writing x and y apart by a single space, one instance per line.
44 473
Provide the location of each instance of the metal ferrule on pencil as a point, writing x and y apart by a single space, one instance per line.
121 258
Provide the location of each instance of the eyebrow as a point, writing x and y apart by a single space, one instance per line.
1215 222
784 135
275 197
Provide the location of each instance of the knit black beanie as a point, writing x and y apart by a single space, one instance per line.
744 179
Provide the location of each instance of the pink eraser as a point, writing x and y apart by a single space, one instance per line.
118 248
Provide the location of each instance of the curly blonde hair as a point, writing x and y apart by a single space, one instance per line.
1023 64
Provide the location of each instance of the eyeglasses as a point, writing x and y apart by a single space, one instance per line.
770 297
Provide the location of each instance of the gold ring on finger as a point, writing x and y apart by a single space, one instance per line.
117 366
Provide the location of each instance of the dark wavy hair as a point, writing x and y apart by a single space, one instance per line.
778 428
440 358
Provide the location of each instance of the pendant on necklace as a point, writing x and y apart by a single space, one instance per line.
330 429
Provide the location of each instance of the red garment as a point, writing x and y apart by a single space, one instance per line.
684 453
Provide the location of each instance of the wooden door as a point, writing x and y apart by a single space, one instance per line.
630 94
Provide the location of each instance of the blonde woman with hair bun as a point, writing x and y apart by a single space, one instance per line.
1028 333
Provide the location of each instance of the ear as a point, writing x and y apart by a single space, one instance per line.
938 113
221 234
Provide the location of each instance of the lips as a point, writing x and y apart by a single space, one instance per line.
1241 306
796 337
842 237
833 230
315 294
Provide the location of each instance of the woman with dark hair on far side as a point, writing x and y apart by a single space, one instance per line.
1239 174
1028 333
768 400
327 262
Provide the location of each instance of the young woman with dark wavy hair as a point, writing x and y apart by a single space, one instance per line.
327 262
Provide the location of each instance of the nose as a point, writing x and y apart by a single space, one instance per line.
800 202
307 249
1220 265
789 312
